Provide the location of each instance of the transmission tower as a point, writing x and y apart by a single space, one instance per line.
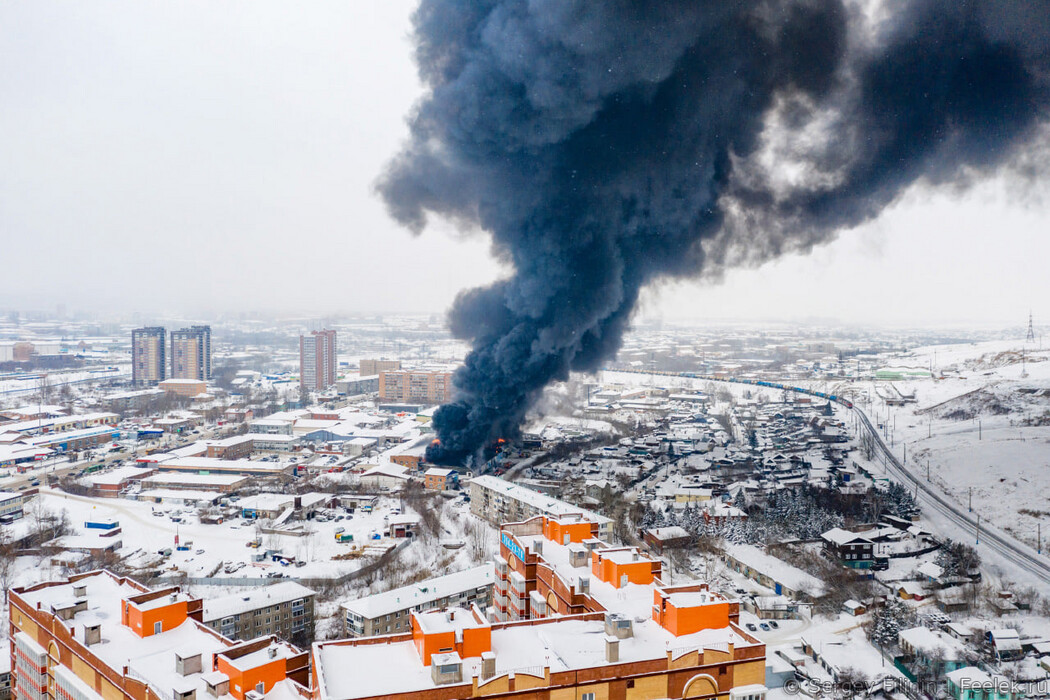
1030 338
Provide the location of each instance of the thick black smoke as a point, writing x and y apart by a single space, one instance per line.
605 144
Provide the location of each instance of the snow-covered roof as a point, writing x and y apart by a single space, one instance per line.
540 501
931 569
563 645
151 658
242 602
116 476
931 644
778 570
672 532
838 536
420 594
195 479
266 501
387 469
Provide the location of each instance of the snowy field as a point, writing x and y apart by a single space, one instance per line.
13 390
978 430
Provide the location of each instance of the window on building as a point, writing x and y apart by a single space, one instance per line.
158 627
587 696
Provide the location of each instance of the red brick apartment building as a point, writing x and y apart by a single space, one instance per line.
593 626
99 636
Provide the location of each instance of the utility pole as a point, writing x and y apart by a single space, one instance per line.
979 431
978 540
970 506
927 469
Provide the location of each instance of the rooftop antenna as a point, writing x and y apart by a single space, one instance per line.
1030 338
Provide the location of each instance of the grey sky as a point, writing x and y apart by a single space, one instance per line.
201 156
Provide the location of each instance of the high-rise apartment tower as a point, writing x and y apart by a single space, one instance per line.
317 361
148 355
191 353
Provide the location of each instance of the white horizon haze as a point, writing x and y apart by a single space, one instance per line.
201 158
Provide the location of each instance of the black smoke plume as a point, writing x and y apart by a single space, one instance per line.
604 144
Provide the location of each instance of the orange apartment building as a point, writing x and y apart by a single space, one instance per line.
456 653
406 386
98 636
584 633
438 479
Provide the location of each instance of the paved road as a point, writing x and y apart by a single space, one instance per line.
1010 549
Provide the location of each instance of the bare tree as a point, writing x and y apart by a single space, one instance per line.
8 557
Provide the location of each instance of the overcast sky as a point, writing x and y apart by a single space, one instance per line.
202 157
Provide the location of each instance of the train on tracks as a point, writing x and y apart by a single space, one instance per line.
735 380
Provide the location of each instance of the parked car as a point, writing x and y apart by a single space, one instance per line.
764 626
751 627
773 624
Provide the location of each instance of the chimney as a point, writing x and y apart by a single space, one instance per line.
92 634
80 590
612 649
488 665
618 625
272 652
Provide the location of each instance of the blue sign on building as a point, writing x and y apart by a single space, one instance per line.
513 546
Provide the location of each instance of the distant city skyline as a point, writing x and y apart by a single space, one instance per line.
240 135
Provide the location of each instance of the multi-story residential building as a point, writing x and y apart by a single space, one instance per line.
438 479
191 353
626 636
317 360
391 612
404 386
148 355
372 367
499 501
283 609
11 503
99 636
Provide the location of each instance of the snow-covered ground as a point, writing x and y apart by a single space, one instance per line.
978 430
144 534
